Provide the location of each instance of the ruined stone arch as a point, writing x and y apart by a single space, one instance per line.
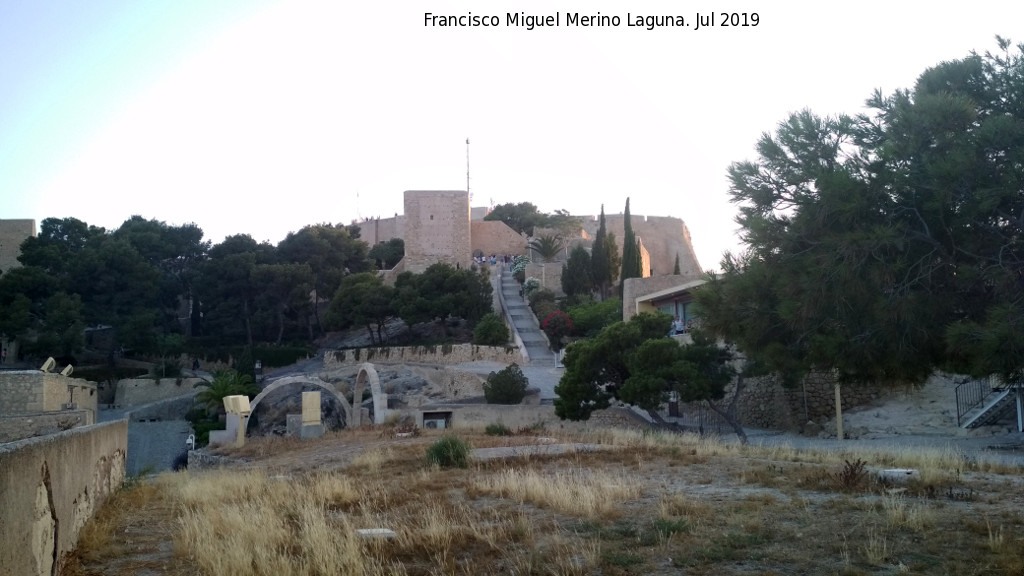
380 401
282 382
353 417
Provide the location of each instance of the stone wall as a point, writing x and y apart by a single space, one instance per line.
31 425
446 354
766 403
33 391
663 236
437 229
139 391
527 416
376 230
49 488
495 237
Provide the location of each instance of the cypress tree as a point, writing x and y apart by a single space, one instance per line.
675 269
631 265
599 269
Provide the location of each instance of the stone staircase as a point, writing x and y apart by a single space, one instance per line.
525 322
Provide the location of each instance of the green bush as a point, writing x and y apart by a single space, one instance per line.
588 319
449 452
490 331
497 430
541 295
507 386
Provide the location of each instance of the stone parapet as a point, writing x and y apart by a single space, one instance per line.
444 354
31 425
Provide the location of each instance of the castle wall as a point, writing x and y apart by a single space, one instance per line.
437 229
376 230
662 236
495 237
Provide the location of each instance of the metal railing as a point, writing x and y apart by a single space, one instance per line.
969 395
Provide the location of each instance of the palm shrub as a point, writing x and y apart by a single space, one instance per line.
225 383
449 452
506 386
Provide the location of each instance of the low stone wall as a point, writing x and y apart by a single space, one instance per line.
169 409
139 391
526 416
446 354
49 488
766 403
31 425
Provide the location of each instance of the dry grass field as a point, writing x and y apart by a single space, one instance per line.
642 504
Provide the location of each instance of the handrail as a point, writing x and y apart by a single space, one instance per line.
968 395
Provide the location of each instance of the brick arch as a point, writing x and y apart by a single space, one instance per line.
282 382
380 401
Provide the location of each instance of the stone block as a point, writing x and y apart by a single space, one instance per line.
293 424
307 432
311 410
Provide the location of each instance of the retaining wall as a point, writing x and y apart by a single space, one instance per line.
139 391
49 488
446 354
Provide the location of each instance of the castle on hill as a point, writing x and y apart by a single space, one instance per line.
441 226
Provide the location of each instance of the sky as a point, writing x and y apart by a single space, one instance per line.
261 117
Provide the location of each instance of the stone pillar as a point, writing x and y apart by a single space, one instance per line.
312 427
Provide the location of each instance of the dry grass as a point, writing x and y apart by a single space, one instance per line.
651 504
586 493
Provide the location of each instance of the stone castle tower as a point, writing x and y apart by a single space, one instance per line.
437 228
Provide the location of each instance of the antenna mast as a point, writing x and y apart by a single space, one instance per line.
467 171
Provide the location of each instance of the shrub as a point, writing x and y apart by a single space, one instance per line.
490 331
556 325
541 295
507 386
530 285
497 430
449 452
588 319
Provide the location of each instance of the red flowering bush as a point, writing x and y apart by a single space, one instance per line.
556 325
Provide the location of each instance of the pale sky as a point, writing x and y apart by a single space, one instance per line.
261 117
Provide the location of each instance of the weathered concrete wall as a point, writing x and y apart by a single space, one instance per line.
495 237
139 391
31 425
32 391
49 488
663 236
12 234
437 228
377 230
